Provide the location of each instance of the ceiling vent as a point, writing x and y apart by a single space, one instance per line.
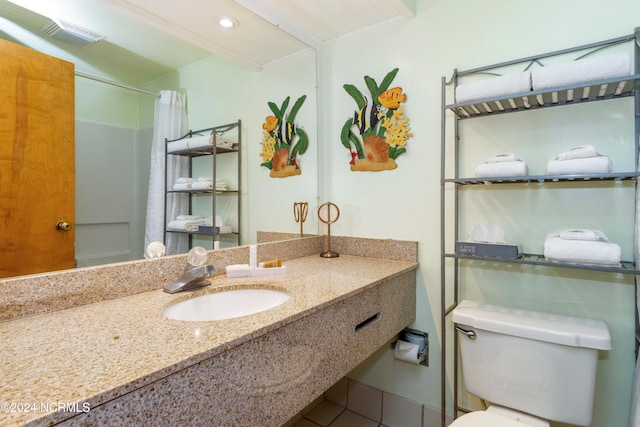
71 33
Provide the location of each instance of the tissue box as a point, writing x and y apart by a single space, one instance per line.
502 250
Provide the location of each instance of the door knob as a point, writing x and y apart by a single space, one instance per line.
63 226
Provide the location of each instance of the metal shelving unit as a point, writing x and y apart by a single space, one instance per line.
214 152
451 181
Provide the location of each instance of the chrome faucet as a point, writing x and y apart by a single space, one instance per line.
194 274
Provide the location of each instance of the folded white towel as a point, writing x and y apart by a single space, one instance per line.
182 186
187 217
577 152
184 179
494 87
224 143
202 185
581 71
581 234
190 225
501 169
598 164
205 178
180 145
581 251
506 157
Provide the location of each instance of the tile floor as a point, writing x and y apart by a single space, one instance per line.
352 404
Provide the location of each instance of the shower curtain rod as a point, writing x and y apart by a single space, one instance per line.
111 82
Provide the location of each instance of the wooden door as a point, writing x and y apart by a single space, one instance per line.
37 161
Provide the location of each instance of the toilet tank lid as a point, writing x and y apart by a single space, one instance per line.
537 325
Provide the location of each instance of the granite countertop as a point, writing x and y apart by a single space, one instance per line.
91 354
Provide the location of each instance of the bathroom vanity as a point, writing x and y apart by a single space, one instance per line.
121 362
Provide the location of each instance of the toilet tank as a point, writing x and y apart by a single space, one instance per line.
535 362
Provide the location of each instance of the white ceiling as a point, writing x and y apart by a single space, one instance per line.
147 39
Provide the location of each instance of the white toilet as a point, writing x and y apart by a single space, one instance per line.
533 367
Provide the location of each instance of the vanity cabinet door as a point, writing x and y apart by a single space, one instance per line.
37 162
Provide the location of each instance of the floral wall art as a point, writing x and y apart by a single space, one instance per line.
283 141
378 132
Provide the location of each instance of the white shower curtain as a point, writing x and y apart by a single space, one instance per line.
170 122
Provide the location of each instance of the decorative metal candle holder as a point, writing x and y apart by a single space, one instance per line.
300 211
328 220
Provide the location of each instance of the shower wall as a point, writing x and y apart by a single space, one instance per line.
112 170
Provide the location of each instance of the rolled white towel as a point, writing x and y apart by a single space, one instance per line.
582 234
598 164
494 87
577 152
199 141
581 71
185 225
182 186
180 145
501 169
557 249
505 157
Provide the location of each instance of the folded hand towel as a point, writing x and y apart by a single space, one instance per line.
581 251
224 143
202 185
598 164
185 225
187 217
494 87
578 152
205 178
501 169
581 234
506 157
581 71
184 179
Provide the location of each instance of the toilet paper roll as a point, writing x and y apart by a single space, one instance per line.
407 352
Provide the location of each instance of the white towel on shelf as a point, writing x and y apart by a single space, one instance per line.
182 186
202 185
222 142
187 217
494 87
581 251
190 225
200 141
581 71
501 169
598 164
505 157
184 179
581 234
180 145
577 152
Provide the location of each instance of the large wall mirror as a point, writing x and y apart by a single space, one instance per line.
114 124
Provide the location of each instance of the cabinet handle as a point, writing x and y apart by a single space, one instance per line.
368 321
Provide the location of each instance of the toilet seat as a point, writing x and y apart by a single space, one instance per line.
485 419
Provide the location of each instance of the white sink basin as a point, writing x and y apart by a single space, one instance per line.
226 305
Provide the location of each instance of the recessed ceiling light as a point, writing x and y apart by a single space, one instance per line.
227 22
